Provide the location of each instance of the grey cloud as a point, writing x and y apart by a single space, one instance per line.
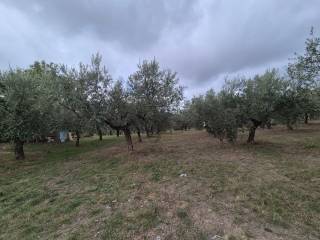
243 34
202 40
135 25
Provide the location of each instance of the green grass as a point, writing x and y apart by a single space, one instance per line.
100 191
43 192
64 151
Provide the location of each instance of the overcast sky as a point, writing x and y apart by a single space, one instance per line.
203 40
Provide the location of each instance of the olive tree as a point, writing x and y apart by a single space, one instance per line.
69 92
217 117
119 112
155 93
255 99
289 105
304 73
96 82
24 114
248 102
182 119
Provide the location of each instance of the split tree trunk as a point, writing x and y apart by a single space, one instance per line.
252 129
127 134
77 138
18 149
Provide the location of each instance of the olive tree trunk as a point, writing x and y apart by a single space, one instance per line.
252 129
99 133
289 126
18 149
252 133
127 134
147 130
269 126
77 138
139 135
306 118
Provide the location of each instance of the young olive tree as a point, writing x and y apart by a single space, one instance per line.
219 120
156 94
195 111
183 118
288 106
304 74
119 112
69 93
96 82
210 112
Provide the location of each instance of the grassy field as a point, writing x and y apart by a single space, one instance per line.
184 185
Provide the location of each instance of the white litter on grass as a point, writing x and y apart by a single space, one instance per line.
217 237
158 238
183 175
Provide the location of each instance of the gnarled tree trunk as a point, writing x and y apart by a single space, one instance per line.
127 134
252 129
126 130
18 149
77 138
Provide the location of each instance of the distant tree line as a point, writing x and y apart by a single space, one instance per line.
249 103
48 97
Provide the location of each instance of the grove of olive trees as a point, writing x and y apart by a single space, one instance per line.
273 97
45 98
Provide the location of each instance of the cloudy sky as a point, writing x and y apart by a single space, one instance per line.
203 40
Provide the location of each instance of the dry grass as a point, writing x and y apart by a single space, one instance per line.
184 185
